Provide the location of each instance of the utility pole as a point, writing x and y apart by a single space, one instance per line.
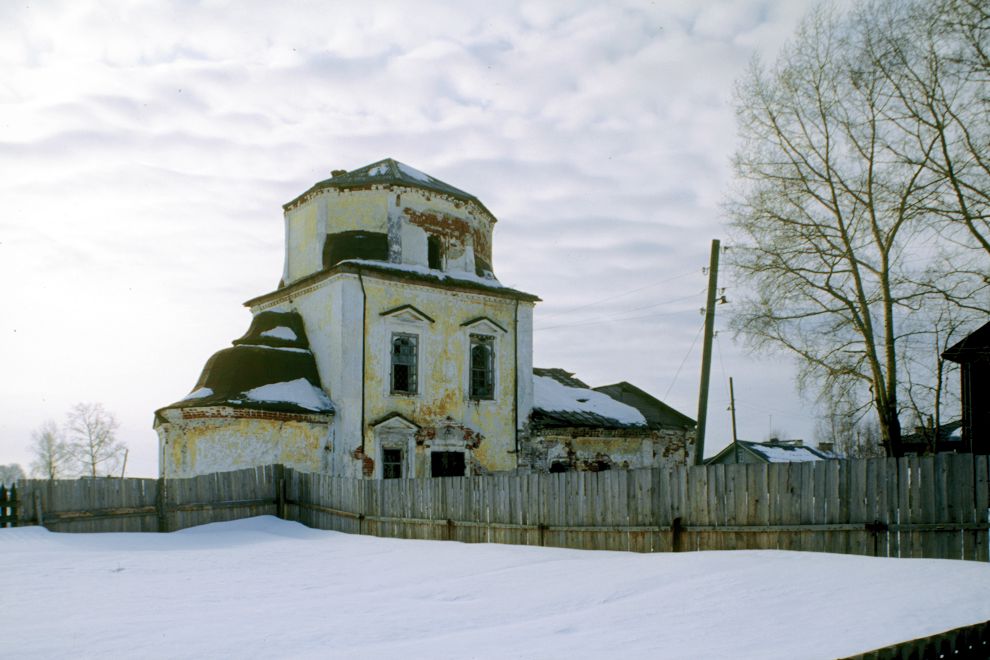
732 407
706 354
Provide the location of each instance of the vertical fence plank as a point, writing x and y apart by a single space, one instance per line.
981 512
617 510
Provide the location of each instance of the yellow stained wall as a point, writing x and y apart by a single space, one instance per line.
216 444
443 364
330 211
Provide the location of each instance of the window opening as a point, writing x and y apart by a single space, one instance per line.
392 463
434 249
482 367
404 354
447 464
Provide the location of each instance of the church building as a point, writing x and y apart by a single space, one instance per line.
388 350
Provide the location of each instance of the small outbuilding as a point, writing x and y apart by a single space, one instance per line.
972 354
772 451
574 427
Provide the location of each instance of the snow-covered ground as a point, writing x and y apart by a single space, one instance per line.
263 587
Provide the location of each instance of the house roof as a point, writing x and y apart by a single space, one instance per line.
389 171
563 377
657 413
562 401
951 432
270 368
401 272
776 452
975 345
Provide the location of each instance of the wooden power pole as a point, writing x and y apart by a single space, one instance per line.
706 355
732 407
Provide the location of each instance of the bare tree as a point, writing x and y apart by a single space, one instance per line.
935 55
833 215
91 433
52 458
10 474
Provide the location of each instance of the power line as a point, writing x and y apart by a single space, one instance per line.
622 317
624 293
614 320
686 355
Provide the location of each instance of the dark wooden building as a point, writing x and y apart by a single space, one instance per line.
973 356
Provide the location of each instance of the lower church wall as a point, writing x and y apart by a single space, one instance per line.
220 442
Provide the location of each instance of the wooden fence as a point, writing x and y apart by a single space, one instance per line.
966 643
8 506
933 507
149 505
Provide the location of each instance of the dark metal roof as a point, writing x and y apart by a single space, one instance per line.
775 452
657 413
550 419
259 358
563 377
390 172
974 346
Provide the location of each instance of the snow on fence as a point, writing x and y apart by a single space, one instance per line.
149 505
934 507
966 643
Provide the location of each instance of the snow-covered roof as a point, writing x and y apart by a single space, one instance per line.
558 405
405 271
786 453
270 368
776 451
389 171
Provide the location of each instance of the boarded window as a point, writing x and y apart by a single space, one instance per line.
392 463
434 252
404 358
482 367
447 464
354 245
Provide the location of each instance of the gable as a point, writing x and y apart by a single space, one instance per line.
407 314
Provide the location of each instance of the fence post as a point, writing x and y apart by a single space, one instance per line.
38 509
161 510
280 491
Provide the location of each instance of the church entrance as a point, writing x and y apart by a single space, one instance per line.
447 464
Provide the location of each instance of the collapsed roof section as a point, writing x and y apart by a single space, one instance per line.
270 368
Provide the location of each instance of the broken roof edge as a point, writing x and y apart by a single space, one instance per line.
353 266
395 173
664 407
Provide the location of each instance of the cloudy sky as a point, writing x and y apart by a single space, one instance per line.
146 150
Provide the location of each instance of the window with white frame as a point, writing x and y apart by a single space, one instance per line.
405 354
482 367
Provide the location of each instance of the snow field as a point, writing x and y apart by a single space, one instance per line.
264 587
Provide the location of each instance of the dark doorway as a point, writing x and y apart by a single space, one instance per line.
447 464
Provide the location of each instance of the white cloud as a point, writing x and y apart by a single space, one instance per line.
147 149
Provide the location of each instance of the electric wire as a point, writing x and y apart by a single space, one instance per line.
622 315
686 356
620 295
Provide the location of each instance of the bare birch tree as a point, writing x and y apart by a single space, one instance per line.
833 214
91 433
51 456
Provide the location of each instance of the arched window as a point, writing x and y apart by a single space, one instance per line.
482 367
404 357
